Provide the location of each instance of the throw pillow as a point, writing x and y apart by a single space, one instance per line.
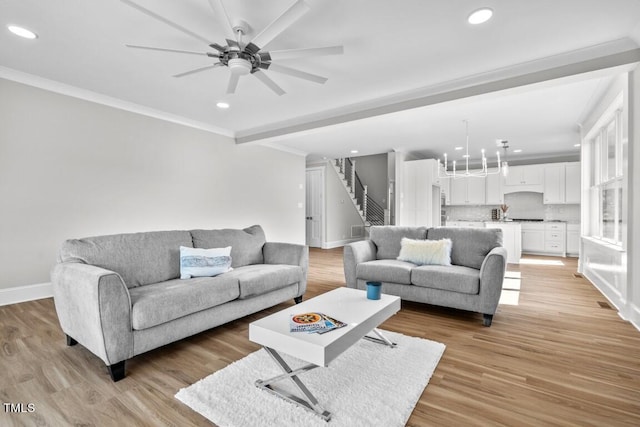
423 252
196 262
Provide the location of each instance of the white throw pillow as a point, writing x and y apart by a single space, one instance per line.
423 252
197 262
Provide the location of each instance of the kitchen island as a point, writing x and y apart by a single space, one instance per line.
511 235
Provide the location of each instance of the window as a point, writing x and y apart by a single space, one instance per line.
606 181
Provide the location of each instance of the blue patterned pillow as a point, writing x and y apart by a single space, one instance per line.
196 262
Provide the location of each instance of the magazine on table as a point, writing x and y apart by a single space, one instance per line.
314 323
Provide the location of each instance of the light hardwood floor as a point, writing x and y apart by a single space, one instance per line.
561 356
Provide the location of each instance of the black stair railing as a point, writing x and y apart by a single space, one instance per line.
374 212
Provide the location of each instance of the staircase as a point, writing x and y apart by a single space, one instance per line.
370 211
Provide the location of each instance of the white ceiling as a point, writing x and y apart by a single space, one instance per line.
384 93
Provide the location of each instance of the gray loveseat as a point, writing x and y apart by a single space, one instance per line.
121 295
473 282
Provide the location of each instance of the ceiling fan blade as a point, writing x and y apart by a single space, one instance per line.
305 53
233 83
232 43
165 20
223 18
217 47
297 73
197 70
281 23
269 83
161 49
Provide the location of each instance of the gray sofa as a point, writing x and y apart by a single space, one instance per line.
121 295
473 282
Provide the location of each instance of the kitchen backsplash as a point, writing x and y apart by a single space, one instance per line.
523 205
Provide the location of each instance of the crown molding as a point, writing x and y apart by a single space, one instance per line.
98 98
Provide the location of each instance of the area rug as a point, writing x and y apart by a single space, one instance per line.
369 384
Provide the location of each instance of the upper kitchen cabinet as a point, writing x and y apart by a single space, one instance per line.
554 184
467 191
572 183
495 195
562 183
524 178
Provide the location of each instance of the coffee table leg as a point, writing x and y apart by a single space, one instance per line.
381 338
311 404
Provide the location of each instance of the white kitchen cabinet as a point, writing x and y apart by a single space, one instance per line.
524 175
532 237
555 237
420 198
494 194
511 239
548 238
573 239
467 191
572 183
554 184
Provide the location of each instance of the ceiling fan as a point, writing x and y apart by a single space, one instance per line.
246 58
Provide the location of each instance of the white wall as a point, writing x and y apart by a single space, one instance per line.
71 168
340 212
372 170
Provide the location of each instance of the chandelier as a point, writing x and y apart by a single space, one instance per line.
444 172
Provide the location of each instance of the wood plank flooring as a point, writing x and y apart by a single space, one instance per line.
560 357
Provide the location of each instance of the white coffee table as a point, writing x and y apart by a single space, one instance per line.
348 305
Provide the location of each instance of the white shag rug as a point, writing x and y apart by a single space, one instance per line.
369 384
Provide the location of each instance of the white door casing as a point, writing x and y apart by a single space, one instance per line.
314 206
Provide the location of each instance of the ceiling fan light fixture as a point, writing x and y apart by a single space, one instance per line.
480 16
22 32
240 66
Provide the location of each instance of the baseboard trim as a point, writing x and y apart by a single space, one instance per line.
25 293
340 243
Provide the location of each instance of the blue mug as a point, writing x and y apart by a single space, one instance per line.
373 290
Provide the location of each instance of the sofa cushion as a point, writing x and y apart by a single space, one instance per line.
259 279
163 302
385 270
198 262
426 252
455 278
469 245
246 245
139 258
387 239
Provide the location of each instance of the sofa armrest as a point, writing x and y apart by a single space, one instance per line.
491 278
289 254
94 308
354 254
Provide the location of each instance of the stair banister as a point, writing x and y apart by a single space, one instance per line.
364 201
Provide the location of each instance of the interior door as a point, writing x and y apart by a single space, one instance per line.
315 204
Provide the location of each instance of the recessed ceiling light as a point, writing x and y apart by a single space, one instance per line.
354 151
22 32
459 148
517 151
576 145
223 105
480 16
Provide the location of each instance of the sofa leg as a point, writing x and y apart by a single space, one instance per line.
487 319
116 371
71 341
298 300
